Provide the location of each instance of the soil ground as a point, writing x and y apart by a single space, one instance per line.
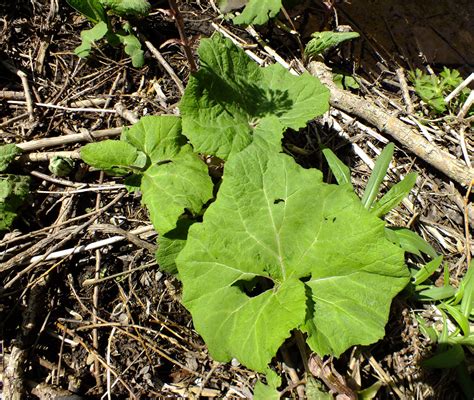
128 336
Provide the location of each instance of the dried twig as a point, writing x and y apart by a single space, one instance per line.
26 88
405 91
168 68
84 136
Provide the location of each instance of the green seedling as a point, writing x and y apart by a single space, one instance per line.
322 41
432 89
97 12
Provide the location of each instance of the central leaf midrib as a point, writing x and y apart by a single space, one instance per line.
277 237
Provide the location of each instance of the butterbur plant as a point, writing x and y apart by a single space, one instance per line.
275 249
97 12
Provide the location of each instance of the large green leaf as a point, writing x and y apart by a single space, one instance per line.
258 12
230 95
177 179
8 152
279 250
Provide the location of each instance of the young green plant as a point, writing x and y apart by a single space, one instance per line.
97 12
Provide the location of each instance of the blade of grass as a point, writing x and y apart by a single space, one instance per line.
458 317
427 270
395 195
338 168
376 178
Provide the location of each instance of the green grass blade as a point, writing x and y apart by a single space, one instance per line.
395 195
427 270
466 292
376 178
457 315
437 293
340 170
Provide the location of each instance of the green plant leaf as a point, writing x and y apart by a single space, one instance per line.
89 36
378 173
171 244
345 81
275 235
458 316
410 241
316 390
132 46
270 390
449 358
159 138
61 166
324 40
127 8
437 293
170 189
230 95
115 156
177 179
395 195
8 152
226 6
340 170
427 270
466 290
258 12
92 9
13 191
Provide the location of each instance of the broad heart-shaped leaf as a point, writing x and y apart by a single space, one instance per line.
258 12
177 178
171 244
276 224
230 95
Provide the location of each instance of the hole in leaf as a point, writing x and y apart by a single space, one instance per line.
305 279
278 201
255 286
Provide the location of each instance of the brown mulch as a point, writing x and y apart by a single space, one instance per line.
130 336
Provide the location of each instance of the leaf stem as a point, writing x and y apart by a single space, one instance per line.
184 40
